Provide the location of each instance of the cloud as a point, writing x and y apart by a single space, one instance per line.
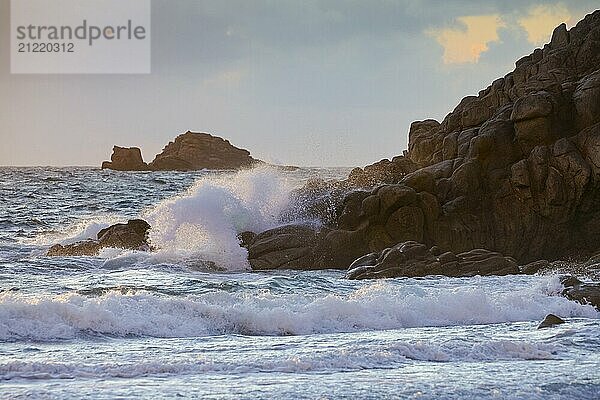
541 21
465 43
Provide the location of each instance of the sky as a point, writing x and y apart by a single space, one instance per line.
304 82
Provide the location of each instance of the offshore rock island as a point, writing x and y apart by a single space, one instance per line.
189 151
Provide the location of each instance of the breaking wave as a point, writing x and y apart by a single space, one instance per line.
374 306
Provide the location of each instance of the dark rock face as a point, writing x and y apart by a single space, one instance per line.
132 235
515 170
286 247
126 159
194 151
188 152
413 259
550 321
584 293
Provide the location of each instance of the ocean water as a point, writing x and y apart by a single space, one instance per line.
168 324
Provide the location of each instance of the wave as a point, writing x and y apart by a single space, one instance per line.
199 226
204 221
375 306
342 358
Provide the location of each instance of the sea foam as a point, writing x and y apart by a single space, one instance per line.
374 306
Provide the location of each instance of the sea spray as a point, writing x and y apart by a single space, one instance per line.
204 221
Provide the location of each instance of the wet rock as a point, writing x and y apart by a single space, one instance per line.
246 238
584 293
413 259
534 267
550 321
133 235
285 247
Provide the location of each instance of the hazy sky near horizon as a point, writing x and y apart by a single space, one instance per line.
312 82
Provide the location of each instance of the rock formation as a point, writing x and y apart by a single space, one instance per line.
125 159
133 235
414 259
189 151
514 170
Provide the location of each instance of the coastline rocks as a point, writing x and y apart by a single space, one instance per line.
285 247
514 170
189 151
413 259
125 159
584 293
133 235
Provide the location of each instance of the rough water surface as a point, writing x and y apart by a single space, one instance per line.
136 325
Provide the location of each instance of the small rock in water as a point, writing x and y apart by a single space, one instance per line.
550 321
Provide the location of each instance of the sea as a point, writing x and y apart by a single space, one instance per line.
167 324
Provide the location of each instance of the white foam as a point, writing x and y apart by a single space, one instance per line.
344 358
203 222
375 306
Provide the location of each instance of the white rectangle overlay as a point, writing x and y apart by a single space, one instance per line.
80 36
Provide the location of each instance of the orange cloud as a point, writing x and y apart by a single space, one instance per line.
464 44
541 21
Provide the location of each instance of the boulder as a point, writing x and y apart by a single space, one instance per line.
550 321
125 159
285 247
413 259
133 235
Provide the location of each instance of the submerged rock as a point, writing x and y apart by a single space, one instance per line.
133 235
413 259
550 321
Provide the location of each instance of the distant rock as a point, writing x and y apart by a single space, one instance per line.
126 159
550 321
133 235
194 151
189 151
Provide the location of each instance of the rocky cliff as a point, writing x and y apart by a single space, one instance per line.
515 170
188 152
